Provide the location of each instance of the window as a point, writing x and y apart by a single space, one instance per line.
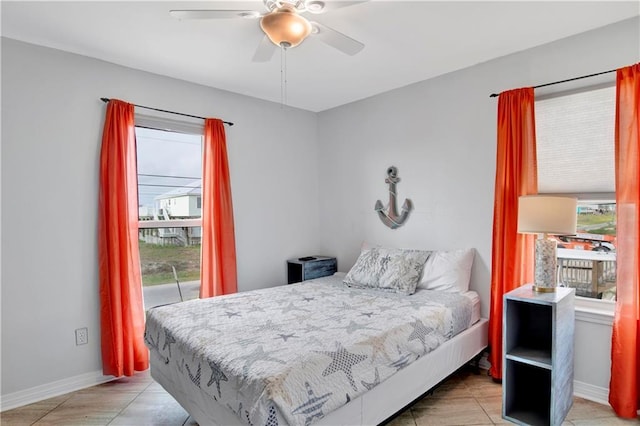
169 204
575 148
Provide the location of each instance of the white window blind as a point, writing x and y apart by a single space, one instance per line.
575 142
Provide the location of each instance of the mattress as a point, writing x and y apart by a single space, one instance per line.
374 407
475 308
293 354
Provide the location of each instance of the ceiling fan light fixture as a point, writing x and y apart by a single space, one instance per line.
285 27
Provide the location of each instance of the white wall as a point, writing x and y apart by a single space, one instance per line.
52 121
441 134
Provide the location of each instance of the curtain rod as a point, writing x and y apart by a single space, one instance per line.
105 100
495 95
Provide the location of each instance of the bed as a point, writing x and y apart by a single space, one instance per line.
318 352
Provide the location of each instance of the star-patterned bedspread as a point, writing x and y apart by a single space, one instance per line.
289 355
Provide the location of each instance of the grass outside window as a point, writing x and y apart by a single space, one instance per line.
156 261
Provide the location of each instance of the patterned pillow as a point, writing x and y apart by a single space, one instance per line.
388 269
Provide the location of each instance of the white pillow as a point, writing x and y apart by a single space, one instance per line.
367 246
448 271
387 269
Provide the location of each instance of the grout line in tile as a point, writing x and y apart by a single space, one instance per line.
67 396
127 406
485 411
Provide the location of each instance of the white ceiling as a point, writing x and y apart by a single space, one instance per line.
405 42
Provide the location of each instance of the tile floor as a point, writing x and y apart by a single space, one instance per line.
464 398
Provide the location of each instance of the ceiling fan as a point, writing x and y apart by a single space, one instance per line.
284 26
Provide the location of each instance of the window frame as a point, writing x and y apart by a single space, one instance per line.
587 308
160 124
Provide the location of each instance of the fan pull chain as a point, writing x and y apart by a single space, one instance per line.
283 76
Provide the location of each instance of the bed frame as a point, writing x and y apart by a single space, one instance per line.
371 408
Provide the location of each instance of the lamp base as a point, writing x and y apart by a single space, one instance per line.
545 266
543 289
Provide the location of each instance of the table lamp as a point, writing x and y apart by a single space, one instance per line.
544 215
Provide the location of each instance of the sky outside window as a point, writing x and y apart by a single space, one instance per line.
166 161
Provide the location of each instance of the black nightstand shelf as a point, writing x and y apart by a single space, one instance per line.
304 268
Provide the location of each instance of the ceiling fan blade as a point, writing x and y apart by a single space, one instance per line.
265 50
214 14
336 39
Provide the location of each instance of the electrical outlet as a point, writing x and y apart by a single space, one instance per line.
82 336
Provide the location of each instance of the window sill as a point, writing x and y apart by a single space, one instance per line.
172 223
594 310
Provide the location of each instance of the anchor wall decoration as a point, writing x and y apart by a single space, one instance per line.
390 217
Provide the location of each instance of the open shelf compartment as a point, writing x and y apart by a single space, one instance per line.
530 332
528 400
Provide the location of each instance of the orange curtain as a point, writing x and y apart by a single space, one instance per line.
121 304
516 175
218 273
625 343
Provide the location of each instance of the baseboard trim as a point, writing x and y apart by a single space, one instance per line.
591 392
53 389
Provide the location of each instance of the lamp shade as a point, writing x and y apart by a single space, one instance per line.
285 27
541 214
